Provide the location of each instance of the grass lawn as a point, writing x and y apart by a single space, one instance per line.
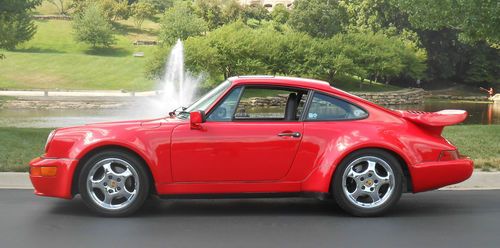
20 145
52 59
480 142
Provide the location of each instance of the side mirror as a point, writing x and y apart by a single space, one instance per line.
196 118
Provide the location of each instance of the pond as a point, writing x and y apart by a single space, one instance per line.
479 113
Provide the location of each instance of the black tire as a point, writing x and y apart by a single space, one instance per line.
342 199
143 180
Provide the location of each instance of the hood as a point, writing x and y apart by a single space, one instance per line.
151 123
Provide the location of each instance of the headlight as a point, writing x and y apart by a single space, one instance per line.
49 139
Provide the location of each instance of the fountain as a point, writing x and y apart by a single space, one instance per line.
177 87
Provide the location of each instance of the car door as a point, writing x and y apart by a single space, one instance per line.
248 136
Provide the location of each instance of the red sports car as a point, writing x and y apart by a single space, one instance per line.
256 136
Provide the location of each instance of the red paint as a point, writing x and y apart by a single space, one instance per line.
192 157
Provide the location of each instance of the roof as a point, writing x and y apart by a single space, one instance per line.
290 81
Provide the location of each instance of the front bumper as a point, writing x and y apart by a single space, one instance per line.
433 175
58 185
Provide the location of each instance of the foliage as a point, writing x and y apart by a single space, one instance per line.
318 18
255 12
474 20
280 14
238 49
141 11
160 5
210 11
375 15
16 25
92 27
180 22
115 9
217 12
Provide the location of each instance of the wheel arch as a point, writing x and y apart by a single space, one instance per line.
85 156
407 182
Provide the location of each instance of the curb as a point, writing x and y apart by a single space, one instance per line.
74 93
480 180
15 180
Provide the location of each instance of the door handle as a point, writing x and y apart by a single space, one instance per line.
290 134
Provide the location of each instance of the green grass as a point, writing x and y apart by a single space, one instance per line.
480 142
19 146
53 59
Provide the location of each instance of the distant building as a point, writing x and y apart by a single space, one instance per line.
268 4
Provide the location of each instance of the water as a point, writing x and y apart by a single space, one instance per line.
177 87
479 113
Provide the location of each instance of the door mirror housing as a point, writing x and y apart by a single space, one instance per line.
196 118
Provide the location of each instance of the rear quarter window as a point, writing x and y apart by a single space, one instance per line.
328 108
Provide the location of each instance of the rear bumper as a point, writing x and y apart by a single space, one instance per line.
54 186
433 175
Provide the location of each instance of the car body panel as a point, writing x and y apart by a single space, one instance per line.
234 151
250 157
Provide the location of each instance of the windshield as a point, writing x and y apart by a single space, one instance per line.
207 100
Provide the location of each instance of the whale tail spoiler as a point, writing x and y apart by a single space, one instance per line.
434 121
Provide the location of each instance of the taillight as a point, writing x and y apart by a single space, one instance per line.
448 155
43 171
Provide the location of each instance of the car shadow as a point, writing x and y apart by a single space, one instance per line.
213 207
411 206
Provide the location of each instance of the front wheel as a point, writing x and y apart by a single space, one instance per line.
368 182
114 183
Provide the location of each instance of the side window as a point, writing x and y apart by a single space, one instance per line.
326 108
259 103
225 110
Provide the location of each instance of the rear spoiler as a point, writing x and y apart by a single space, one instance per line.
434 121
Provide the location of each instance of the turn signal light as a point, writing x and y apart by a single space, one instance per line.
43 171
448 155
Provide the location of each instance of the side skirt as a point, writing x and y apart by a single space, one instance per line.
321 196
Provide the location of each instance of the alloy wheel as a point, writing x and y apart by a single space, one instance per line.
368 182
112 183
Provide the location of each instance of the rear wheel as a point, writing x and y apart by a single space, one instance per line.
114 183
368 182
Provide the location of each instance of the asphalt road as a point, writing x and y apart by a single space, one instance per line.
433 219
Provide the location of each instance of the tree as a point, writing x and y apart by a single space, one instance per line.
210 11
217 12
280 14
16 25
180 22
375 15
160 5
92 27
318 18
474 20
59 4
328 59
115 9
141 11
255 12
284 53
231 11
